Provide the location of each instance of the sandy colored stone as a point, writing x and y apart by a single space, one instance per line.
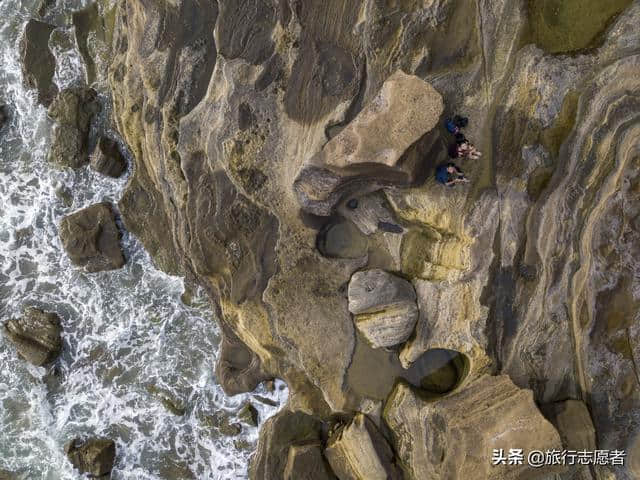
358 451
459 433
405 108
305 462
384 307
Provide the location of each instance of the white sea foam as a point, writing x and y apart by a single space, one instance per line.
123 330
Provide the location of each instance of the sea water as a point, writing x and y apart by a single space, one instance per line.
126 333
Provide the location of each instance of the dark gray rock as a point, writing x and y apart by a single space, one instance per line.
107 158
5 115
72 110
94 456
38 63
91 238
36 335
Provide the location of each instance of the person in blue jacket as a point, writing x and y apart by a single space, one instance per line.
449 174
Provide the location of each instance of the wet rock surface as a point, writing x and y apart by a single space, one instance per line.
5 115
384 307
93 456
36 335
91 238
38 63
528 271
108 159
72 110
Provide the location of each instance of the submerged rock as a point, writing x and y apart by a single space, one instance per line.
7 475
384 306
454 437
4 115
38 63
94 456
107 158
72 110
36 335
358 451
278 435
91 238
305 462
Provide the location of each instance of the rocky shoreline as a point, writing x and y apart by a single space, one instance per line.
284 155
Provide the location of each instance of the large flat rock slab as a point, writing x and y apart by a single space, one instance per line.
405 108
455 437
91 238
358 451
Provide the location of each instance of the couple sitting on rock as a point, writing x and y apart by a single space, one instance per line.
449 174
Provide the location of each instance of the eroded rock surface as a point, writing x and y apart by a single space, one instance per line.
108 159
91 238
358 451
230 110
72 110
93 456
36 335
450 438
279 434
305 462
384 307
38 63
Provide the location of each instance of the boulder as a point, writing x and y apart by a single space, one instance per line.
405 108
358 451
277 435
36 335
38 63
455 437
305 462
72 109
91 238
384 307
107 158
249 415
93 456
370 213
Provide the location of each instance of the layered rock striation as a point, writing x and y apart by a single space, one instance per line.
281 147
